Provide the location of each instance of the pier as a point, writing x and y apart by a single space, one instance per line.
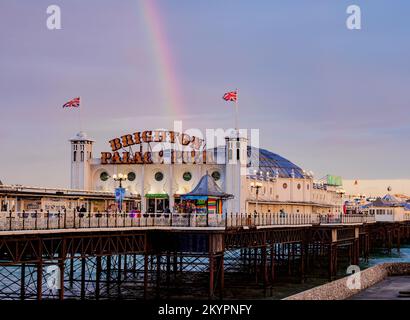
125 256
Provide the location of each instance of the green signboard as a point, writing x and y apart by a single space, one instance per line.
334 180
156 196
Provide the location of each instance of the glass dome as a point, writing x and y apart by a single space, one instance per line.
273 163
265 161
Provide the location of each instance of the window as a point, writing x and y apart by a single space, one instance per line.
299 186
75 156
104 176
82 156
285 185
216 175
187 176
131 176
159 176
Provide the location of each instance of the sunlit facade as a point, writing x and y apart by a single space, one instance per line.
258 179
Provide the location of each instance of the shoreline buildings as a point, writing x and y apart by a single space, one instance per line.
376 187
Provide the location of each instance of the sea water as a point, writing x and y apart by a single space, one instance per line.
380 256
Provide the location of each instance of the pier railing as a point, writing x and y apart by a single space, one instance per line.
269 219
12 221
346 219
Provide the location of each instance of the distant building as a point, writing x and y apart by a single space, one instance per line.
377 187
388 209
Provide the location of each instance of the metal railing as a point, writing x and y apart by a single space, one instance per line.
268 219
346 219
12 221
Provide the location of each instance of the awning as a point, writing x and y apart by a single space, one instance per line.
194 197
207 187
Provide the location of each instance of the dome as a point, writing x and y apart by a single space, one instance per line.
81 136
273 163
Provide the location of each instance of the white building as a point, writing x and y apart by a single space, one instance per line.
157 176
389 209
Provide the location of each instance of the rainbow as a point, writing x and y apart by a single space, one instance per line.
169 85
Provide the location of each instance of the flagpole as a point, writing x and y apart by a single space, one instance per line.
236 110
79 114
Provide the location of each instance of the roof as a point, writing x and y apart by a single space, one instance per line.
207 187
390 198
26 191
265 161
388 201
273 163
81 136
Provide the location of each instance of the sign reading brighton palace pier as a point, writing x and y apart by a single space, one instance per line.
181 148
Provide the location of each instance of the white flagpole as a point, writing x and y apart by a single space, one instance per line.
79 113
236 110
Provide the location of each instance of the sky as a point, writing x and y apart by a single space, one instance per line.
330 99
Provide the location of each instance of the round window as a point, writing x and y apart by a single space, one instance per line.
285 185
216 175
131 176
187 176
104 176
299 186
159 176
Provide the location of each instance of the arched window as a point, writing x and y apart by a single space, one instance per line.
75 156
82 156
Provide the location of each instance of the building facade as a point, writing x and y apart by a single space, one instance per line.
258 179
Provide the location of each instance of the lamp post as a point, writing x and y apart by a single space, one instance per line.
256 185
120 178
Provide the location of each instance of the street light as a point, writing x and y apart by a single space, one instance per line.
121 177
257 186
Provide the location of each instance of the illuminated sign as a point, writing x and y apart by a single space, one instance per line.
196 146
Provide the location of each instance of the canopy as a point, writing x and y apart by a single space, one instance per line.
206 187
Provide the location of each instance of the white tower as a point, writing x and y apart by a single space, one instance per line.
236 160
81 155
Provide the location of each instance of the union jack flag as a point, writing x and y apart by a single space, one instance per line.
230 96
75 103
